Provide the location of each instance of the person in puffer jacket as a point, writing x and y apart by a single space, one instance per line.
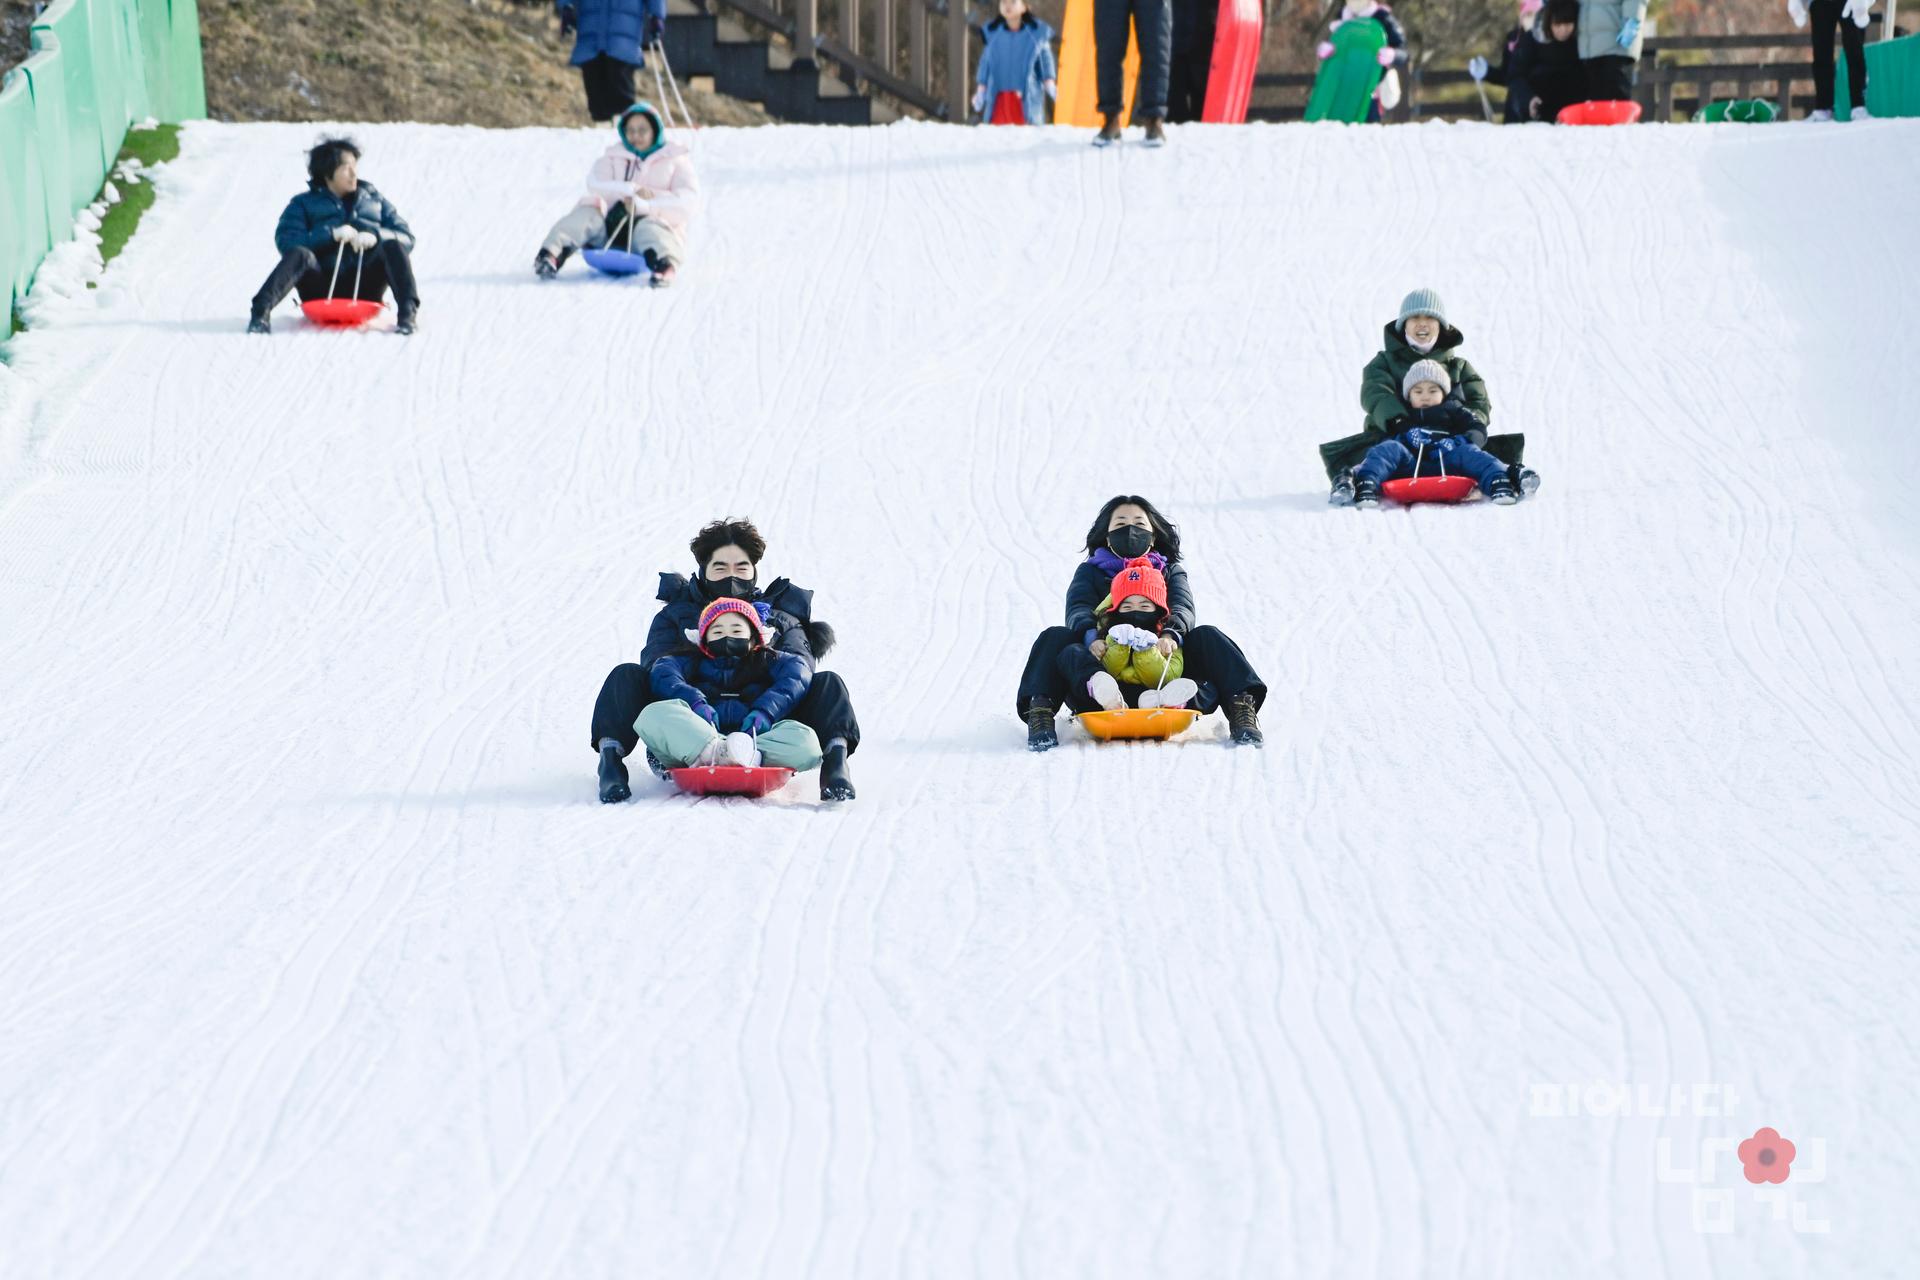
610 40
724 699
642 196
1143 667
1438 435
1017 70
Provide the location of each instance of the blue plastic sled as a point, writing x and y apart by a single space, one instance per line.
616 262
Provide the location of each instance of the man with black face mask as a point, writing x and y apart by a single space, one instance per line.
727 556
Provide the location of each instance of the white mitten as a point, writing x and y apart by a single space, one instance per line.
1797 10
343 234
980 99
639 206
365 240
1861 11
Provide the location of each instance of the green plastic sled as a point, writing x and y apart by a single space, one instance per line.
1739 111
1346 81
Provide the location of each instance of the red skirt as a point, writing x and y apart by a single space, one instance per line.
1009 108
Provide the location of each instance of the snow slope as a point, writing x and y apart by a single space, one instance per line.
319 958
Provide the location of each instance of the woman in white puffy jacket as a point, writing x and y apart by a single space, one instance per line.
1851 17
642 195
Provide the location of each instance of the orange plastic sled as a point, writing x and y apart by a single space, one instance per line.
1133 722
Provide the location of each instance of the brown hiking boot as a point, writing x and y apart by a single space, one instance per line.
1156 132
1243 721
1109 132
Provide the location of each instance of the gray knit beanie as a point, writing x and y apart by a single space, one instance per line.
1421 302
1426 371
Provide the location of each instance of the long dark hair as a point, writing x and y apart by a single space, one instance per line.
1166 535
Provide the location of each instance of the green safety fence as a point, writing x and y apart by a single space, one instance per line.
97 67
1893 79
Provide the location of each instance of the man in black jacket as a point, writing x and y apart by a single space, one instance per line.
336 216
727 554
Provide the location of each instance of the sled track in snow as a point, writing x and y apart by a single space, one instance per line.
317 955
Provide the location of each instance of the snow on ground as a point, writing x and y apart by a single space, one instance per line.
318 956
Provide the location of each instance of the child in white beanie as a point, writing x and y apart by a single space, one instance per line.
1439 432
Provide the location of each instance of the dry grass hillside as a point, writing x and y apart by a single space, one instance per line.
478 62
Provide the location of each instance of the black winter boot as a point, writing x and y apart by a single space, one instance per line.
1525 479
409 321
835 785
545 265
613 776
1243 721
1500 490
258 322
1156 132
1366 493
1342 494
1109 132
1040 731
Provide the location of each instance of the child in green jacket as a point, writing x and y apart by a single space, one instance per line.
1131 650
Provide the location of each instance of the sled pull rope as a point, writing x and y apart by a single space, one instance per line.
359 264
673 82
1416 461
331 284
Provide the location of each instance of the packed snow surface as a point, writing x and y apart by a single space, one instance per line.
1582 846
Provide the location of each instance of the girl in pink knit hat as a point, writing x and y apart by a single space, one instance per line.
724 698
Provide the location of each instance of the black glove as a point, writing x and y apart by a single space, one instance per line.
1395 423
1465 422
569 20
651 33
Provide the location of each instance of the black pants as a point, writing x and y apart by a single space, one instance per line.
609 84
1609 79
825 708
387 265
1060 664
1191 61
1825 16
1152 23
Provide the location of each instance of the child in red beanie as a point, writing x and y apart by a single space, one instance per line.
1137 664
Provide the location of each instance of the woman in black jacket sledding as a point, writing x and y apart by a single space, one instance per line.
1063 659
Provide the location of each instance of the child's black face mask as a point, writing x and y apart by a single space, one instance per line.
730 648
1130 541
1145 621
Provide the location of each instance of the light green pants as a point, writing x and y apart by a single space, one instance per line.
677 736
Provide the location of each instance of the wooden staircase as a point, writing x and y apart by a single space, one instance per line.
868 62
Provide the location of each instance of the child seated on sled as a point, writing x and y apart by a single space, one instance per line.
1439 434
1138 665
723 698
642 196
1017 71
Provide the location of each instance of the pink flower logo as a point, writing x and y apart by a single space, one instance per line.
1766 1156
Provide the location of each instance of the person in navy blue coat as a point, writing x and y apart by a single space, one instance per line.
727 554
609 40
338 216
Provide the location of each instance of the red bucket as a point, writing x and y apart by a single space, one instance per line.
1603 112
1428 489
340 313
730 780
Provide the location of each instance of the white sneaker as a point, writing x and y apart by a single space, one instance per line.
1818 117
712 754
739 750
1859 114
1149 699
1105 690
1177 693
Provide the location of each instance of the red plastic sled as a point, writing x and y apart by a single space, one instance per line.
1603 112
730 780
340 313
1428 489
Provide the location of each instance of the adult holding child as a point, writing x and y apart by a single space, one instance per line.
1134 578
727 555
